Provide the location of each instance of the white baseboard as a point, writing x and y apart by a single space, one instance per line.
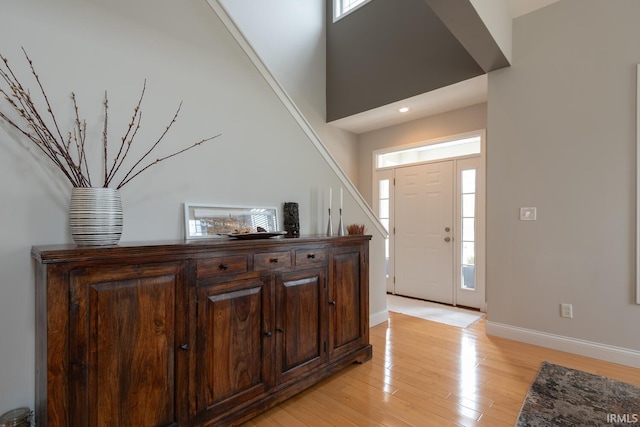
377 318
595 350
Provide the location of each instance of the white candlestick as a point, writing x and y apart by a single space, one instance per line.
340 197
330 196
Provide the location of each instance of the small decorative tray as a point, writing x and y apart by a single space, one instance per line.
257 235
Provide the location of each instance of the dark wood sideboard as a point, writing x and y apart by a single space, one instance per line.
194 334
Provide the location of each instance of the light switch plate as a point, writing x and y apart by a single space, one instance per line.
527 214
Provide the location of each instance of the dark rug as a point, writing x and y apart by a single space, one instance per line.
561 396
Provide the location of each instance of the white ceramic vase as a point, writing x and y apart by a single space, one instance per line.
95 216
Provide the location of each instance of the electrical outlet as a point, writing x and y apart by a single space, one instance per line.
566 310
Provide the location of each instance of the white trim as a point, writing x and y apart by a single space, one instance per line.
294 111
390 175
449 138
378 318
609 353
638 184
477 163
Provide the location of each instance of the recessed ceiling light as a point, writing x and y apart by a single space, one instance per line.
403 109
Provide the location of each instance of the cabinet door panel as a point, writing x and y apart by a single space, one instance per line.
234 338
301 332
346 296
124 333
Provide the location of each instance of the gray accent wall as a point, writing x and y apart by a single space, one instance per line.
561 137
464 22
390 50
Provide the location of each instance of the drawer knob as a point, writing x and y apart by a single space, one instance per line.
273 260
280 330
267 334
332 303
224 266
184 347
311 256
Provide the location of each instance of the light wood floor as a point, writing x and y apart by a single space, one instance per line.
429 374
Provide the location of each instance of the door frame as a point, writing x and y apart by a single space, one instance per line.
480 232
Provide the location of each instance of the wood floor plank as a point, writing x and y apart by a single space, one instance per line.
314 413
429 374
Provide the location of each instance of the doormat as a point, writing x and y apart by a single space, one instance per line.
562 396
441 313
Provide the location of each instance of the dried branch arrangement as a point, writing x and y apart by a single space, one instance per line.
68 152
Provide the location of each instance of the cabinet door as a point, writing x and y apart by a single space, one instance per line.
348 295
125 325
300 329
234 344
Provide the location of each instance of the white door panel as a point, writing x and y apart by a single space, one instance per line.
424 249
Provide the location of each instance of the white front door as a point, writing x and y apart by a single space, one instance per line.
424 231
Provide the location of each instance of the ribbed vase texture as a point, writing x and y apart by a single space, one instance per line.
95 216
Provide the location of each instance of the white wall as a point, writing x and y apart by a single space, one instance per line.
185 53
289 36
561 137
437 126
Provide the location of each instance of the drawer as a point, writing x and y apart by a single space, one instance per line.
271 260
312 256
218 266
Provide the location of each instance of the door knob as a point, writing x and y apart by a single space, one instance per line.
447 239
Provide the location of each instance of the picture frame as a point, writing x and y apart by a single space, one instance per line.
206 221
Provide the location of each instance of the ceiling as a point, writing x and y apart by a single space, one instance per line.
458 95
